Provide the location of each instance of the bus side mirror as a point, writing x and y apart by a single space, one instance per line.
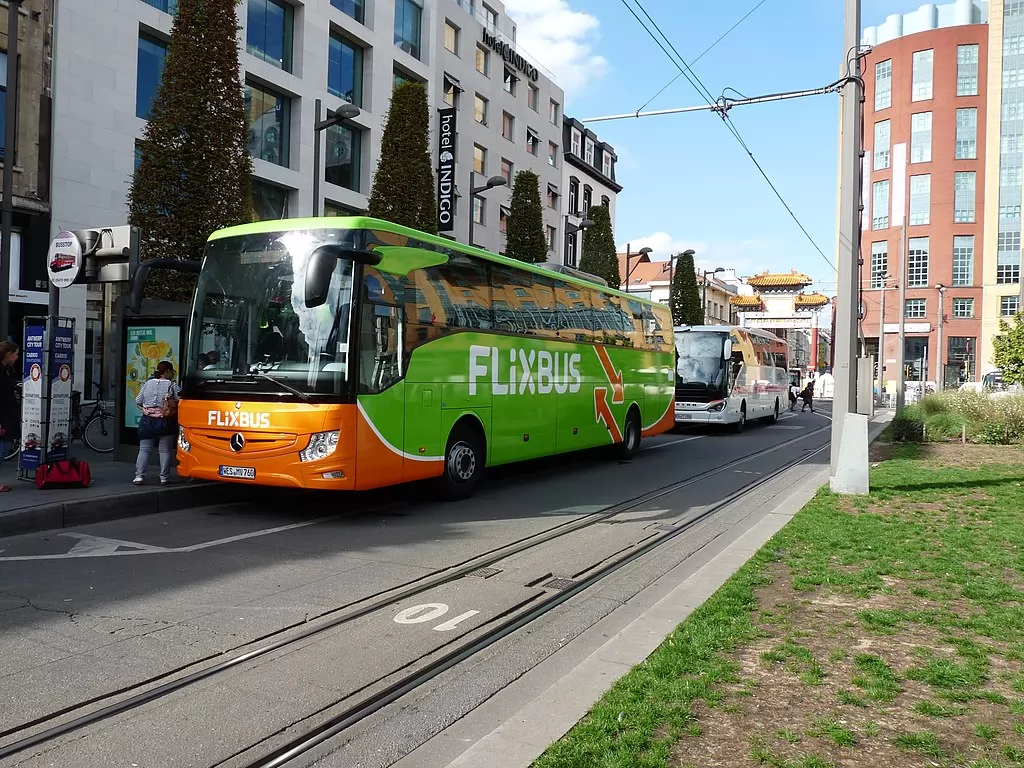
727 350
319 269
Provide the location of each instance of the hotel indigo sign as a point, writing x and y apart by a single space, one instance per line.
446 133
506 52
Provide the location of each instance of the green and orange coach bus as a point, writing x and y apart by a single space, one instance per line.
351 353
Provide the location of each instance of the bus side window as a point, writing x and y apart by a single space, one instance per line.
663 326
575 321
635 317
463 288
380 331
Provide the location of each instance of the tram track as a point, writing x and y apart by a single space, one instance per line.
83 714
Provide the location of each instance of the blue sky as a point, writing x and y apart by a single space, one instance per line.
687 181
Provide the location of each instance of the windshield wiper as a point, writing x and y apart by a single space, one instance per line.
286 387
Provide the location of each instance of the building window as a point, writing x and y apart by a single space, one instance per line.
552 237
532 97
882 155
553 197
570 250
167 6
478 209
967 70
963 260
353 8
491 17
552 154
507 170
590 152
451 37
503 220
269 117
268 32
1009 212
576 138
606 201
921 137
921 87
345 69
963 309
606 163
344 155
880 205
588 195
508 126
337 209
883 84
1008 263
483 60
879 263
408 26
401 77
1010 176
915 309
963 197
269 201
967 133
152 53
920 199
554 112
479 159
917 262
480 109
532 141
1009 305
574 194
961 349
450 94
510 81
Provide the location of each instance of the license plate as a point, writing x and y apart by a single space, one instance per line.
683 417
238 473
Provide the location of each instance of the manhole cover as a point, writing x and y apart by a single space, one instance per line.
559 584
485 573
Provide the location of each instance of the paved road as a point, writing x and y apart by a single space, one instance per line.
87 612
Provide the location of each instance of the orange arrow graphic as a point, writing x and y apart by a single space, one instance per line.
603 412
614 377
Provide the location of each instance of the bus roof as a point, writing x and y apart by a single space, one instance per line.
726 329
367 222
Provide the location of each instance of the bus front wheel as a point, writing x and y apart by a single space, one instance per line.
463 462
739 425
627 449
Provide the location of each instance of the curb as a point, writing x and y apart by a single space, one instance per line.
98 509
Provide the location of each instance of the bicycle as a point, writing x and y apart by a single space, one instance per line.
96 430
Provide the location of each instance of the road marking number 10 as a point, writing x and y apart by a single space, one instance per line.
420 614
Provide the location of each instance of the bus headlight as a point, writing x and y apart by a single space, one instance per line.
717 407
321 445
183 442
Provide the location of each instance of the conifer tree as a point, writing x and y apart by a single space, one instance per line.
524 238
403 186
685 298
195 174
599 257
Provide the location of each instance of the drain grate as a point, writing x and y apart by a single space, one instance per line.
485 573
559 584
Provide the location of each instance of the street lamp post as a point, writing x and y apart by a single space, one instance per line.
881 341
641 253
940 373
491 183
704 301
572 229
343 113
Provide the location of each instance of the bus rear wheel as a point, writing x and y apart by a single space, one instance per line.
463 463
627 449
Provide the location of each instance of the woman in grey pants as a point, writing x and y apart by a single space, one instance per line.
154 429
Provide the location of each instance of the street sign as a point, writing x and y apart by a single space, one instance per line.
64 260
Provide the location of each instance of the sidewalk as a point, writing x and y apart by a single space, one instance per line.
26 509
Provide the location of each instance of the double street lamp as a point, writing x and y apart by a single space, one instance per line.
629 270
343 113
704 301
491 183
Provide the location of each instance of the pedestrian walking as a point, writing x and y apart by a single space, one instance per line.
807 395
158 426
794 395
10 418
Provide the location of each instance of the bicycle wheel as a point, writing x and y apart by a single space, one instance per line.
99 433
12 453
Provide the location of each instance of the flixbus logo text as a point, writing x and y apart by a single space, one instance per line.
520 371
239 419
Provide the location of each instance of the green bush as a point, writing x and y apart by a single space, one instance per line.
908 425
944 425
932 405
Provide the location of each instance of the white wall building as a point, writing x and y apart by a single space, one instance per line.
588 178
109 56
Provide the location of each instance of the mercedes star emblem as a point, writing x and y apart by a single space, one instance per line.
237 442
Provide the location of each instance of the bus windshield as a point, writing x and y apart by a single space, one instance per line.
251 329
699 363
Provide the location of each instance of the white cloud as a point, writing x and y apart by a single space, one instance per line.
559 38
747 257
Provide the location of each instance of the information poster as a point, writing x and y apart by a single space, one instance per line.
146 345
32 397
62 352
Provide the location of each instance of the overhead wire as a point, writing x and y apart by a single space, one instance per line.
686 71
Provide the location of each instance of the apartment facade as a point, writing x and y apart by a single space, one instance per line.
293 54
28 103
939 214
588 178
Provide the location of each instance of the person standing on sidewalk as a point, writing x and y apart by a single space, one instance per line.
158 400
10 416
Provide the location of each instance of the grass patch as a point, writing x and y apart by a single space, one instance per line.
869 628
